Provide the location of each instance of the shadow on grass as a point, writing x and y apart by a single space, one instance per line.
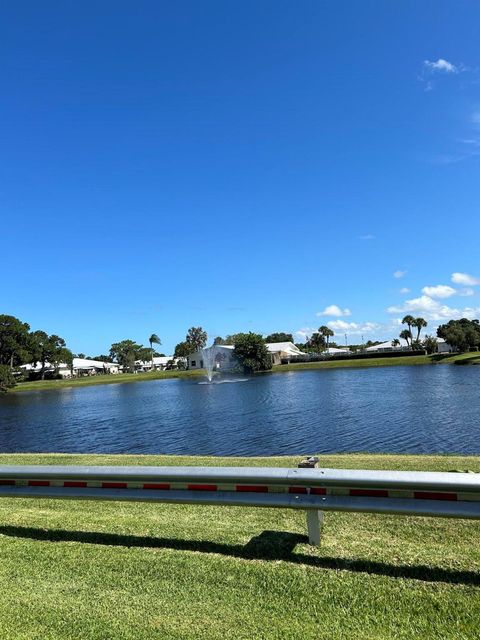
269 545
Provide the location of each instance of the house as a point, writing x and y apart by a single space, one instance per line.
442 346
80 367
221 357
159 363
335 351
283 351
387 346
217 357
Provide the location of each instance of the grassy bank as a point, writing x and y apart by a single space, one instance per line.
120 378
96 570
328 364
471 358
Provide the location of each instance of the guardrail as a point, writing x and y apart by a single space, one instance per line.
439 494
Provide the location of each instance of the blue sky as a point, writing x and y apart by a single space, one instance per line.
239 166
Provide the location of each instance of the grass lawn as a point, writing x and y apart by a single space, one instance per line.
107 379
470 358
84 570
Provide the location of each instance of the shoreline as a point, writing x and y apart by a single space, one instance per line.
126 378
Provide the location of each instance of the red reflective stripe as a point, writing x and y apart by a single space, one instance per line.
297 489
202 487
7 481
74 483
319 491
155 485
434 495
252 488
373 493
39 483
114 485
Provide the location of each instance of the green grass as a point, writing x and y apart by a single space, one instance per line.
101 570
88 381
471 358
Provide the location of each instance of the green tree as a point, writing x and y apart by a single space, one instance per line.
252 353
279 337
326 332
125 353
183 350
7 379
462 334
419 324
316 342
219 340
406 335
45 349
409 320
430 344
395 342
13 341
154 339
196 338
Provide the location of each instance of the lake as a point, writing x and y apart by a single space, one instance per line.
401 409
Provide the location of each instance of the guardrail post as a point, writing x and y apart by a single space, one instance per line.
314 516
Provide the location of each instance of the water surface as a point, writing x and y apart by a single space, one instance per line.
402 409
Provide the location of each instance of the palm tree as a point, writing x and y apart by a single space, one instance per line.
419 323
408 320
395 342
154 339
326 332
406 335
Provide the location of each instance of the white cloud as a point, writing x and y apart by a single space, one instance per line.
334 310
431 309
441 66
439 291
399 273
464 278
466 292
405 290
305 332
353 328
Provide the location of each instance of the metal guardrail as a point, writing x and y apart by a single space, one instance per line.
439 494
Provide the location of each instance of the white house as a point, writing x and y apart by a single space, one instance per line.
283 350
221 356
442 346
335 351
159 363
80 367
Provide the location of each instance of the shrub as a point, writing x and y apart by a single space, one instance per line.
7 379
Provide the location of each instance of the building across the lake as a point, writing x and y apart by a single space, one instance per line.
160 363
79 367
442 346
224 359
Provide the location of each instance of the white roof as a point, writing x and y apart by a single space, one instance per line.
403 343
388 345
334 350
285 347
156 360
78 363
86 363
